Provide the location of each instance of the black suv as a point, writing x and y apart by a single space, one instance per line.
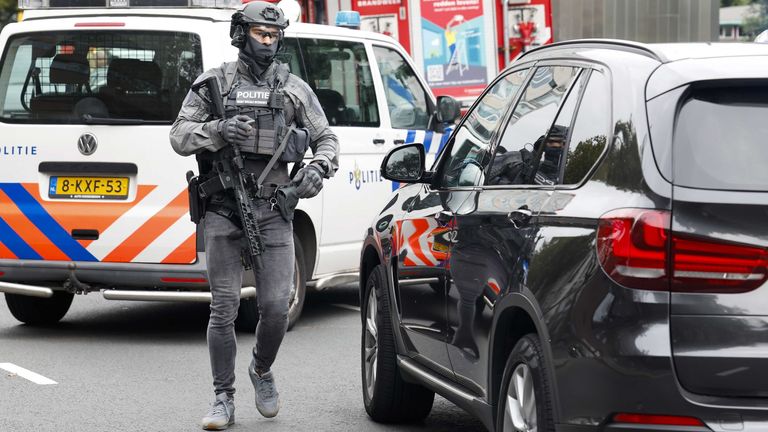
588 251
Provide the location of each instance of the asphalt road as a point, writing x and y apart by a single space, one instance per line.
136 366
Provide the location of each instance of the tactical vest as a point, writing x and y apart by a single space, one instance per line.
264 105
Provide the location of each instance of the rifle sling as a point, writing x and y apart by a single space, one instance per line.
274 158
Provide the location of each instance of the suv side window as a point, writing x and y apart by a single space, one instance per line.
469 152
551 160
340 75
406 98
590 130
520 146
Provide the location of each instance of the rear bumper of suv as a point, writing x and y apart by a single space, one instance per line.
614 356
624 427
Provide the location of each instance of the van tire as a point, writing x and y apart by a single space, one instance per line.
38 310
248 313
391 399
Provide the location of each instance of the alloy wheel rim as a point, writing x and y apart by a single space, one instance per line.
520 407
371 347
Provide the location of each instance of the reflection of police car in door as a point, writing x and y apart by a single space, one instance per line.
114 216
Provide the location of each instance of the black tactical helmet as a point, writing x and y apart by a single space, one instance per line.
256 12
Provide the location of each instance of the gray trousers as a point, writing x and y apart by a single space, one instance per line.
223 243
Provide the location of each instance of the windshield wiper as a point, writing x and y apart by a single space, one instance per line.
89 119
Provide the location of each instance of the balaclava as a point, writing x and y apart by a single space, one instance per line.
258 55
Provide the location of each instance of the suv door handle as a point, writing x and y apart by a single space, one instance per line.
378 141
520 217
443 216
399 142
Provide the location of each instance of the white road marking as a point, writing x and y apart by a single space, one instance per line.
347 307
27 374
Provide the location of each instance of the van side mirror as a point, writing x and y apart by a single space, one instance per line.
448 109
404 163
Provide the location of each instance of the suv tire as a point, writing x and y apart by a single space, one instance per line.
38 310
387 398
526 365
248 313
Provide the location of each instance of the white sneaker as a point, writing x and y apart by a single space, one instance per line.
221 414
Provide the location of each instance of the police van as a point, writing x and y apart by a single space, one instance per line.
94 199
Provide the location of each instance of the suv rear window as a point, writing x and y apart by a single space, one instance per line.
97 76
719 140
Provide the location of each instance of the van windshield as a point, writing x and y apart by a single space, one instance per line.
97 76
720 139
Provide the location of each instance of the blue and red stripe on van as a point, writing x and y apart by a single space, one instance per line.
35 229
44 222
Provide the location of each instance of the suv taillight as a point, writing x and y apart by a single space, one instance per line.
716 267
633 247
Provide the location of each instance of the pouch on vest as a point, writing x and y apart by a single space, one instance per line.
287 200
298 143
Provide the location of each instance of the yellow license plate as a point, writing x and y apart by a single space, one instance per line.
88 187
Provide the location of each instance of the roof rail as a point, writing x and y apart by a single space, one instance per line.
638 47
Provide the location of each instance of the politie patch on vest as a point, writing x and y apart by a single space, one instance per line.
252 97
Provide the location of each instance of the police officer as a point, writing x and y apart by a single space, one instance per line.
263 101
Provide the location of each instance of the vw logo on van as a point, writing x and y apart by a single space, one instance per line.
87 144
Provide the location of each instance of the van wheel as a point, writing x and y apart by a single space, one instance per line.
38 310
248 313
387 398
525 402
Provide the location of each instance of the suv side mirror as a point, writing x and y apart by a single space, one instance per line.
404 164
448 109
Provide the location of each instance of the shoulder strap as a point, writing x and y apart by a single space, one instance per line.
230 72
282 72
274 158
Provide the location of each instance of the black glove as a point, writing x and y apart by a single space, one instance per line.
235 130
309 181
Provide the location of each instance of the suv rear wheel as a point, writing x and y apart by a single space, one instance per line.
526 395
38 310
387 398
248 313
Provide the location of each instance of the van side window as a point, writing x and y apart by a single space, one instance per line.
340 75
470 150
290 55
590 131
524 139
406 98
74 77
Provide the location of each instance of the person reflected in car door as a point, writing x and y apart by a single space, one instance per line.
540 166
475 270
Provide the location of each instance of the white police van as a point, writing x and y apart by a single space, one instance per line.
92 196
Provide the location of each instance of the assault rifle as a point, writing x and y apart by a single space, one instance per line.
229 167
